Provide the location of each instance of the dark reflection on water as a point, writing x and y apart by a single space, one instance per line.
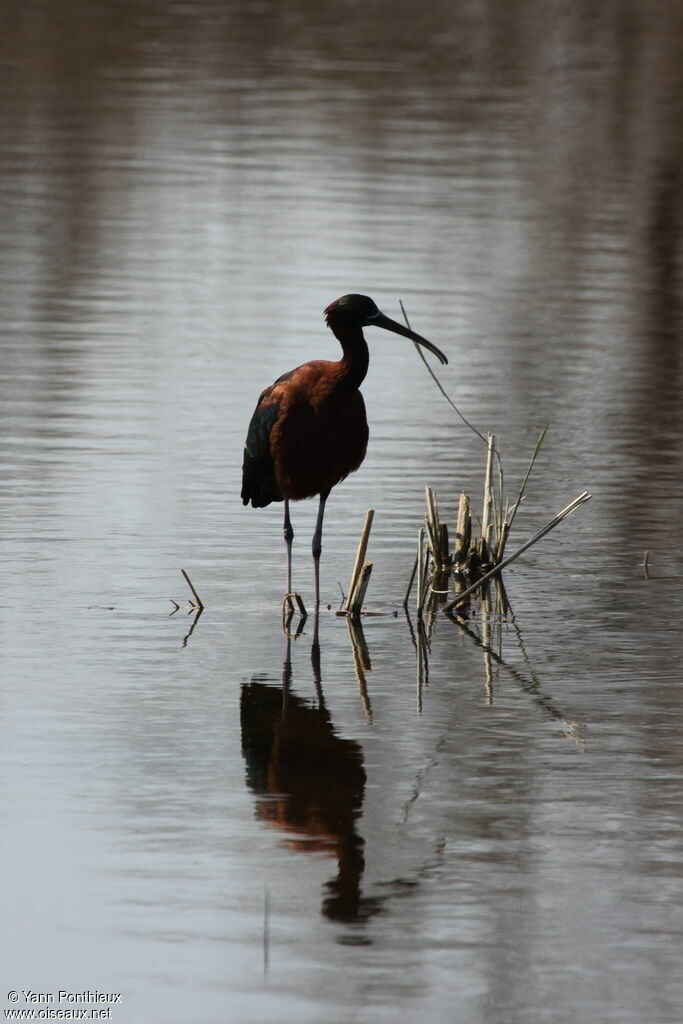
309 783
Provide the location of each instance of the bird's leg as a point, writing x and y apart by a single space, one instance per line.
287 601
317 547
315 659
289 537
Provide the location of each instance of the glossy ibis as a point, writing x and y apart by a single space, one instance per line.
309 429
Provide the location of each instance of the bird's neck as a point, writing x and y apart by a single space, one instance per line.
354 363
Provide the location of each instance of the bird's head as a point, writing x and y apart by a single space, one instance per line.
358 311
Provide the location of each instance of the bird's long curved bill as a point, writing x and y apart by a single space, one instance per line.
391 325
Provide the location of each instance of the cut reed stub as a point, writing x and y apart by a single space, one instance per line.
437 534
463 532
360 577
357 595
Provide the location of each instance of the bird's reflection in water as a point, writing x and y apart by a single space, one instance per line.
310 782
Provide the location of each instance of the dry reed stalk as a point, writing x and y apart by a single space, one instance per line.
432 522
198 603
502 539
420 570
357 596
463 532
585 496
360 555
437 532
510 515
427 572
488 506
443 542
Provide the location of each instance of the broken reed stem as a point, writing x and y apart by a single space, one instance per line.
502 540
198 600
585 496
437 532
463 531
425 576
360 555
432 522
357 596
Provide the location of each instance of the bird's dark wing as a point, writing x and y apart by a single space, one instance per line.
258 470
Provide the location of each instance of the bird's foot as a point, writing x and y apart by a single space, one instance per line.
288 603
288 609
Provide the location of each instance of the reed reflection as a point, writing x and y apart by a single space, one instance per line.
308 781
